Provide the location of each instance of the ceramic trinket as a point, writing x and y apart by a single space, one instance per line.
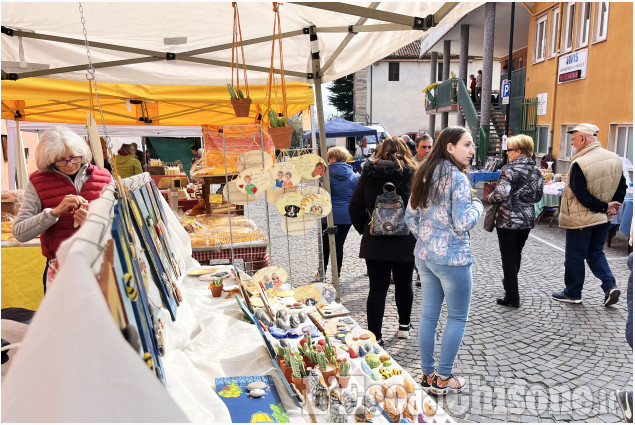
256 385
294 321
391 410
302 316
280 323
282 314
369 402
363 416
337 414
264 317
350 401
257 393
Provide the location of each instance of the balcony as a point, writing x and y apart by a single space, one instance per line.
443 97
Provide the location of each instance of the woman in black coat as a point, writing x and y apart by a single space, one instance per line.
385 255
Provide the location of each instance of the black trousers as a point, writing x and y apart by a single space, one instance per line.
340 238
379 276
46 269
511 243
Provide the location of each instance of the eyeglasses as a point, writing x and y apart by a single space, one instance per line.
64 162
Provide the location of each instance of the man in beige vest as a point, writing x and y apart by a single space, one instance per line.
593 193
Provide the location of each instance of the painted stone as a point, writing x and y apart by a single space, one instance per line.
256 385
256 393
369 402
294 333
302 316
284 343
294 321
280 323
264 317
282 314
277 332
329 293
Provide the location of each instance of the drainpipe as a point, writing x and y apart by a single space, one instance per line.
463 55
555 79
433 79
446 77
370 114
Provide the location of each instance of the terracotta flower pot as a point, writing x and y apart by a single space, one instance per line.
329 373
216 290
287 372
241 106
281 136
300 383
343 381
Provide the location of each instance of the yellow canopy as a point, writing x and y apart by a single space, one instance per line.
66 101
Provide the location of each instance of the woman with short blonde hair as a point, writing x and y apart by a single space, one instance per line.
519 187
338 154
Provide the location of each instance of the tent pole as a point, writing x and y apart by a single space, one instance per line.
21 176
11 153
317 86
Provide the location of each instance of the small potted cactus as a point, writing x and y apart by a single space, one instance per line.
343 377
216 286
287 370
279 354
300 376
328 369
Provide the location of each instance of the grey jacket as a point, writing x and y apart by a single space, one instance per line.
519 188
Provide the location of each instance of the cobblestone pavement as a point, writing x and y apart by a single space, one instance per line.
545 362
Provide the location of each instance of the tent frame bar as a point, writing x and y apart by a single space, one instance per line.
397 22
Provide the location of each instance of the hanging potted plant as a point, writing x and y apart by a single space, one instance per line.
240 103
216 286
278 130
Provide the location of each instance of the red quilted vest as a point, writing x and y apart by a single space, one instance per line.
51 188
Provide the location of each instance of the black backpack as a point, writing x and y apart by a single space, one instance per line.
388 218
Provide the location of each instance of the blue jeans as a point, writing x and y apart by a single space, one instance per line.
586 244
454 283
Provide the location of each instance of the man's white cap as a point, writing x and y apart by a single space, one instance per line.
586 128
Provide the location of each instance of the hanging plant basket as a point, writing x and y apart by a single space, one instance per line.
281 136
241 106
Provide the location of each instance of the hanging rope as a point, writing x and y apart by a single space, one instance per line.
91 71
238 37
272 83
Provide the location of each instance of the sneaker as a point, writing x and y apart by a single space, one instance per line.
426 381
560 296
625 400
611 297
501 301
442 386
418 283
404 331
380 342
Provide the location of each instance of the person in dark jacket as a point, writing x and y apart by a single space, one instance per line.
385 254
343 181
519 187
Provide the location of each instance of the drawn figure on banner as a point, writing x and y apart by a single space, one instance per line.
290 204
287 180
276 280
311 166
254 159
267 283
250 188
253 180
271 278
279 182
291 211
316 204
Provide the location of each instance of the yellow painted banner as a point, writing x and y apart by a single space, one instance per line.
22 270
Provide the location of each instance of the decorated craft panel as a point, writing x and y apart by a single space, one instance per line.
260 403
253 181
235 196
254 159
297 226
284 175
290 204
311 166
317 205
272 277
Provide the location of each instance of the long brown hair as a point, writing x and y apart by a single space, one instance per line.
422 183
395 149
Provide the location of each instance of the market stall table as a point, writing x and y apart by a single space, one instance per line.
550 202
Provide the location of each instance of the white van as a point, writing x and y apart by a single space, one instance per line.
371 142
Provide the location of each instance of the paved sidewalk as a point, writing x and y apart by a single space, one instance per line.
544 362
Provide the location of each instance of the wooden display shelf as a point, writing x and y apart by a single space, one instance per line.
220 179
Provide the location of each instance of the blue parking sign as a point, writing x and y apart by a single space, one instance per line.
505 92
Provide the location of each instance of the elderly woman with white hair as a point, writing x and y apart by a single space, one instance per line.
57 196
